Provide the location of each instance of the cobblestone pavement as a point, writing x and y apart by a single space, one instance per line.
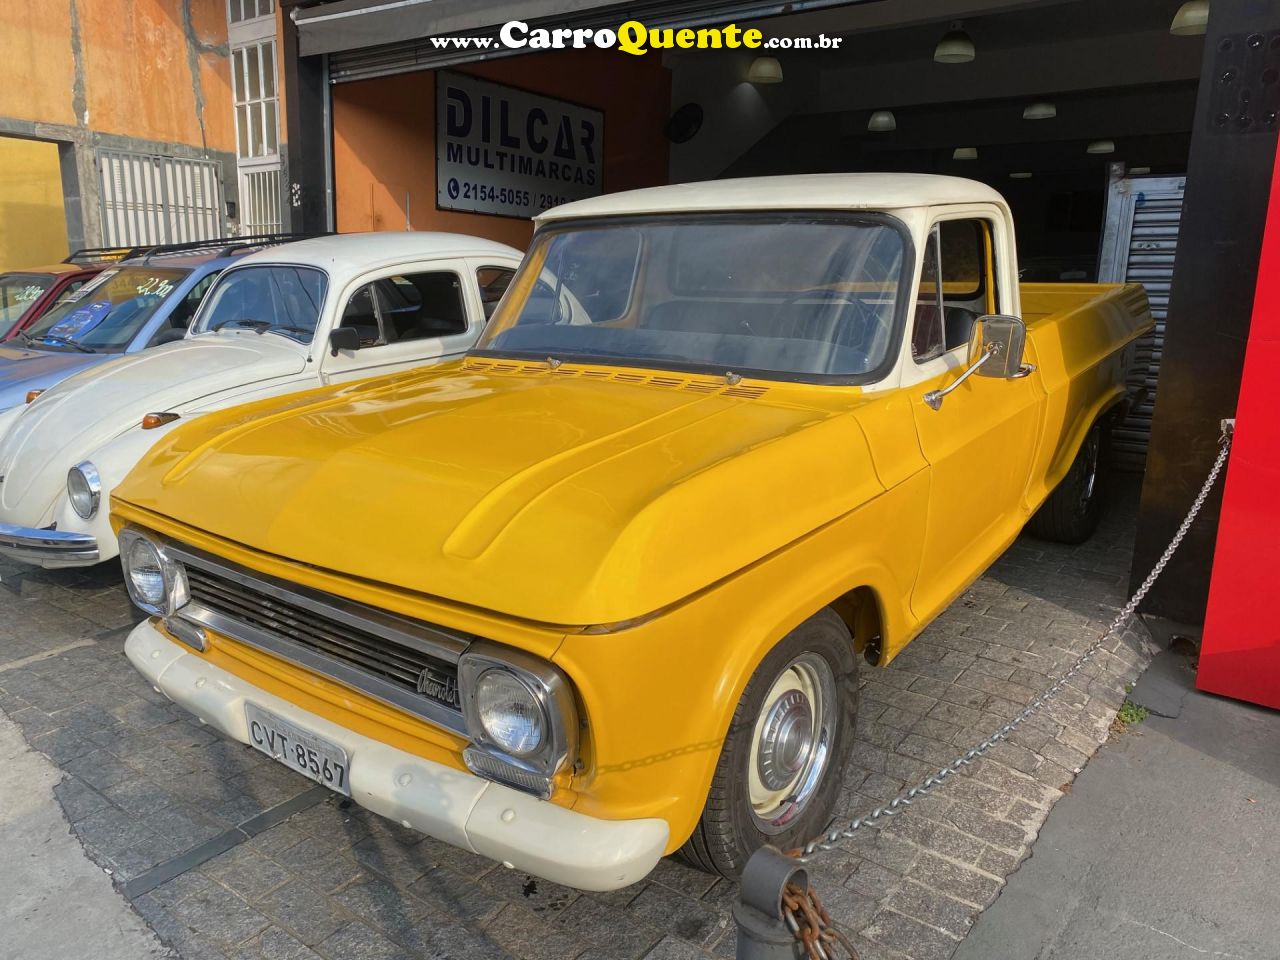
146 784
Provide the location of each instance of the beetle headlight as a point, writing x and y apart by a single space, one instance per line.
520 715
84 490
156 582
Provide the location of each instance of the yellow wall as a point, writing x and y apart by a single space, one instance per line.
32 227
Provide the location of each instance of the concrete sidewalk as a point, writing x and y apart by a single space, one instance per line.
1166 846
57 903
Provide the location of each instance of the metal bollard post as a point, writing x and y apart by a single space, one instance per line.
762 932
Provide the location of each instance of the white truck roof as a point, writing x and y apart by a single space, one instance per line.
815 191
358 252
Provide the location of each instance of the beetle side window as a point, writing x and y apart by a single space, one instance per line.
405 307
419 306
493 283
361 315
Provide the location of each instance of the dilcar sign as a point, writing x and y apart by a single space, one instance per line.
505 151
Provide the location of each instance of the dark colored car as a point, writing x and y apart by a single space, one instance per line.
26 295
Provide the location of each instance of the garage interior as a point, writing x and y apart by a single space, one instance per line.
1083 113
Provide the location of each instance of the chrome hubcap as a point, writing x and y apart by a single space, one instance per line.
791 742
786 741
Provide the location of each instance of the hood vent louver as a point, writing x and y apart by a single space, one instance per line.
666 381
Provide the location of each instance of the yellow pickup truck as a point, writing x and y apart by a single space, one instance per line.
601 591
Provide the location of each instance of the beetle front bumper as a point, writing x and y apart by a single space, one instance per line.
48 548
457 807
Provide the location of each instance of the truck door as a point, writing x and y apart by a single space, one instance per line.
980 443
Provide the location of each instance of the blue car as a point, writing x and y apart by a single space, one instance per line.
135 304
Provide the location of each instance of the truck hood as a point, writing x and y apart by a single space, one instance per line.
22 370
568 497
72 420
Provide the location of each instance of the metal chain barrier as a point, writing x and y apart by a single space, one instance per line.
802 910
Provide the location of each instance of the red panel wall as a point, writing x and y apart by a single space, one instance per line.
1240 655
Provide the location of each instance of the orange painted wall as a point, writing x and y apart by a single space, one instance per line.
384 136
136 78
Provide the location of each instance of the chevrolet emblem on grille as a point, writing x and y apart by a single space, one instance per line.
439 686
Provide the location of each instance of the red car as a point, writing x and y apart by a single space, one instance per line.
25 295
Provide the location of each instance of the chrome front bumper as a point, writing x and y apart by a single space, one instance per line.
514 828
48 548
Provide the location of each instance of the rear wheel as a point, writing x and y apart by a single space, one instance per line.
1072 512
782 763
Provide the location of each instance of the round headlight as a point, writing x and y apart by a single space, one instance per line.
511 715
145 570
84 490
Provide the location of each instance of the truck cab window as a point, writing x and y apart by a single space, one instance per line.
957 286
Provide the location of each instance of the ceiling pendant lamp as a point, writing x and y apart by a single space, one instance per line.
956 46
1191 20
765 70
882 121
1040 110
965 153
1101 146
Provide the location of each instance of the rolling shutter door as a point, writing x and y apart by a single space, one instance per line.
1143 214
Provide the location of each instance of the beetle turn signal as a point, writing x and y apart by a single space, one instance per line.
32 394
153 420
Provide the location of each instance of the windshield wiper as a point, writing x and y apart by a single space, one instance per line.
260 325
63 341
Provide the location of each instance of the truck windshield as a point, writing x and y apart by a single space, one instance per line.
107 312
267 299
789 296
17 292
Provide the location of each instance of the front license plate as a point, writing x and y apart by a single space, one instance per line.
301 750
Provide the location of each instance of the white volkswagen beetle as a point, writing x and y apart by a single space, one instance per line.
282 320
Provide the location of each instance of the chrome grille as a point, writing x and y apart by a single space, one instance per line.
407 663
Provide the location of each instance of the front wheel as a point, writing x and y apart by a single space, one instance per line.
1072 511
782 763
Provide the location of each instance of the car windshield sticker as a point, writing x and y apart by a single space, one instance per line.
155 287
89 287
80 322
28 293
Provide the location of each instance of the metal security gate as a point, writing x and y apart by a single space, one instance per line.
1140 237
260 207
149 198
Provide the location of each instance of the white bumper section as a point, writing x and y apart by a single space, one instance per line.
517 829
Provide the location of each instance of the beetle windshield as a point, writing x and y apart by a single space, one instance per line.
107 312
17 292
271 298
788 296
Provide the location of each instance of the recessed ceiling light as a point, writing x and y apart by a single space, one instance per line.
965 153
1191 20
1101 146
1020 175
956 46
882 121
1040 110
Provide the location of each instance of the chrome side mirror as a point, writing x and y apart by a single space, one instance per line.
996 346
